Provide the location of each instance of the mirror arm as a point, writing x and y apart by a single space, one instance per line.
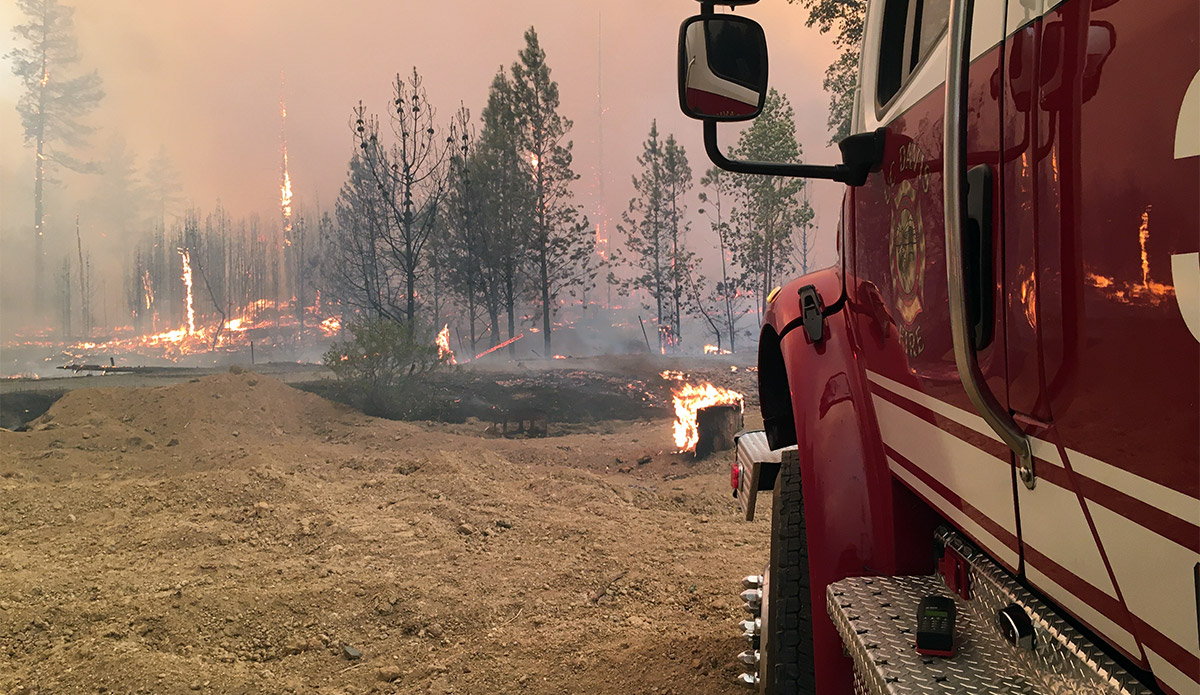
864 153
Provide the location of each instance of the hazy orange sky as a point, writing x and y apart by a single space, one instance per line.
203 79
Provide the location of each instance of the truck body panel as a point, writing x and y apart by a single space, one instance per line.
1076 108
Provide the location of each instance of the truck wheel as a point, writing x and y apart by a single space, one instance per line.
787 626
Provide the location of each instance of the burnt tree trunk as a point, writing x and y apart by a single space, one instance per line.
715 426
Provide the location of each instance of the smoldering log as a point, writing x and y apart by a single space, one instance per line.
716 426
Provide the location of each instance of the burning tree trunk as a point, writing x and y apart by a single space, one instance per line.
706 416
716 426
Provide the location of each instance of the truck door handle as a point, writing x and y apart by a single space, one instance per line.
978 273
954 183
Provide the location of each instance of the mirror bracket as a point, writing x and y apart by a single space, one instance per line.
861 155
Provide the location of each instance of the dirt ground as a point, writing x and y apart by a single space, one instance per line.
231 534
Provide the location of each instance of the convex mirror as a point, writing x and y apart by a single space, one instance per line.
722 67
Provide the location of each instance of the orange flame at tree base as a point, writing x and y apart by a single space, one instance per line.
689 399
443 345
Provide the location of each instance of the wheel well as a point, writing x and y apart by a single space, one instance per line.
774 394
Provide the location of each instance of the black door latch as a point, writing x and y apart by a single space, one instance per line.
812 313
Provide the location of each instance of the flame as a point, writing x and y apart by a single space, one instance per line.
560 357
285 185
443 345
331 326
1148 291
534 161
714 350
285 200
671 375
1143 235
264 321
506 343
602 240
691 398
187 284
147 288
1029 299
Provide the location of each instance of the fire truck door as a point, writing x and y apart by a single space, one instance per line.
935 442
1104 371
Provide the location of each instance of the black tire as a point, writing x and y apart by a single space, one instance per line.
789 665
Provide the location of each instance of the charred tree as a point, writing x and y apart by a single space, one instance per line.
409 175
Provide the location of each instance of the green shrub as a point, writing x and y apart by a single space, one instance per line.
381 354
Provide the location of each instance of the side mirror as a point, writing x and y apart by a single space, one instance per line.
722 68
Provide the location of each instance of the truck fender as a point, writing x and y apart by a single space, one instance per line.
847 487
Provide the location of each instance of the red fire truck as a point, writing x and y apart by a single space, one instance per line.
981 425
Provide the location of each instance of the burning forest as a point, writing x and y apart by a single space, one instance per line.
309 373
482 225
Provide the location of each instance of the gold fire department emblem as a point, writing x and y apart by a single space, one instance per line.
906 250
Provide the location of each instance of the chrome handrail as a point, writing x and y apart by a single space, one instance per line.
954 188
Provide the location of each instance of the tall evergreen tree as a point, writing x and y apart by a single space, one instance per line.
53 104
560 241
771 206
462 215
655 229
120 197
845 18
164 191
719 195
677 181
507 198
644 228
360 275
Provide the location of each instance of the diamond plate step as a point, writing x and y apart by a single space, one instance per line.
877 619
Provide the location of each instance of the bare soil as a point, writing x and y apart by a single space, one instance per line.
234 535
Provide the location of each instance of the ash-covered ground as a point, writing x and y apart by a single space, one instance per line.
232 534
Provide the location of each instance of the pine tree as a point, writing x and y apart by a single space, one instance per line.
163 196
726 294
645 227
463 214
655 228
163 189
771 206
560 242
360 275
507 201
677 181
53 104
845 18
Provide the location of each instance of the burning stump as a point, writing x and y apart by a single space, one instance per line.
706 416
716 425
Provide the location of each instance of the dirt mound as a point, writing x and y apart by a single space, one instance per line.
354 555
205 409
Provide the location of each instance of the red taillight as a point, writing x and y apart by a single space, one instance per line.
734 473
